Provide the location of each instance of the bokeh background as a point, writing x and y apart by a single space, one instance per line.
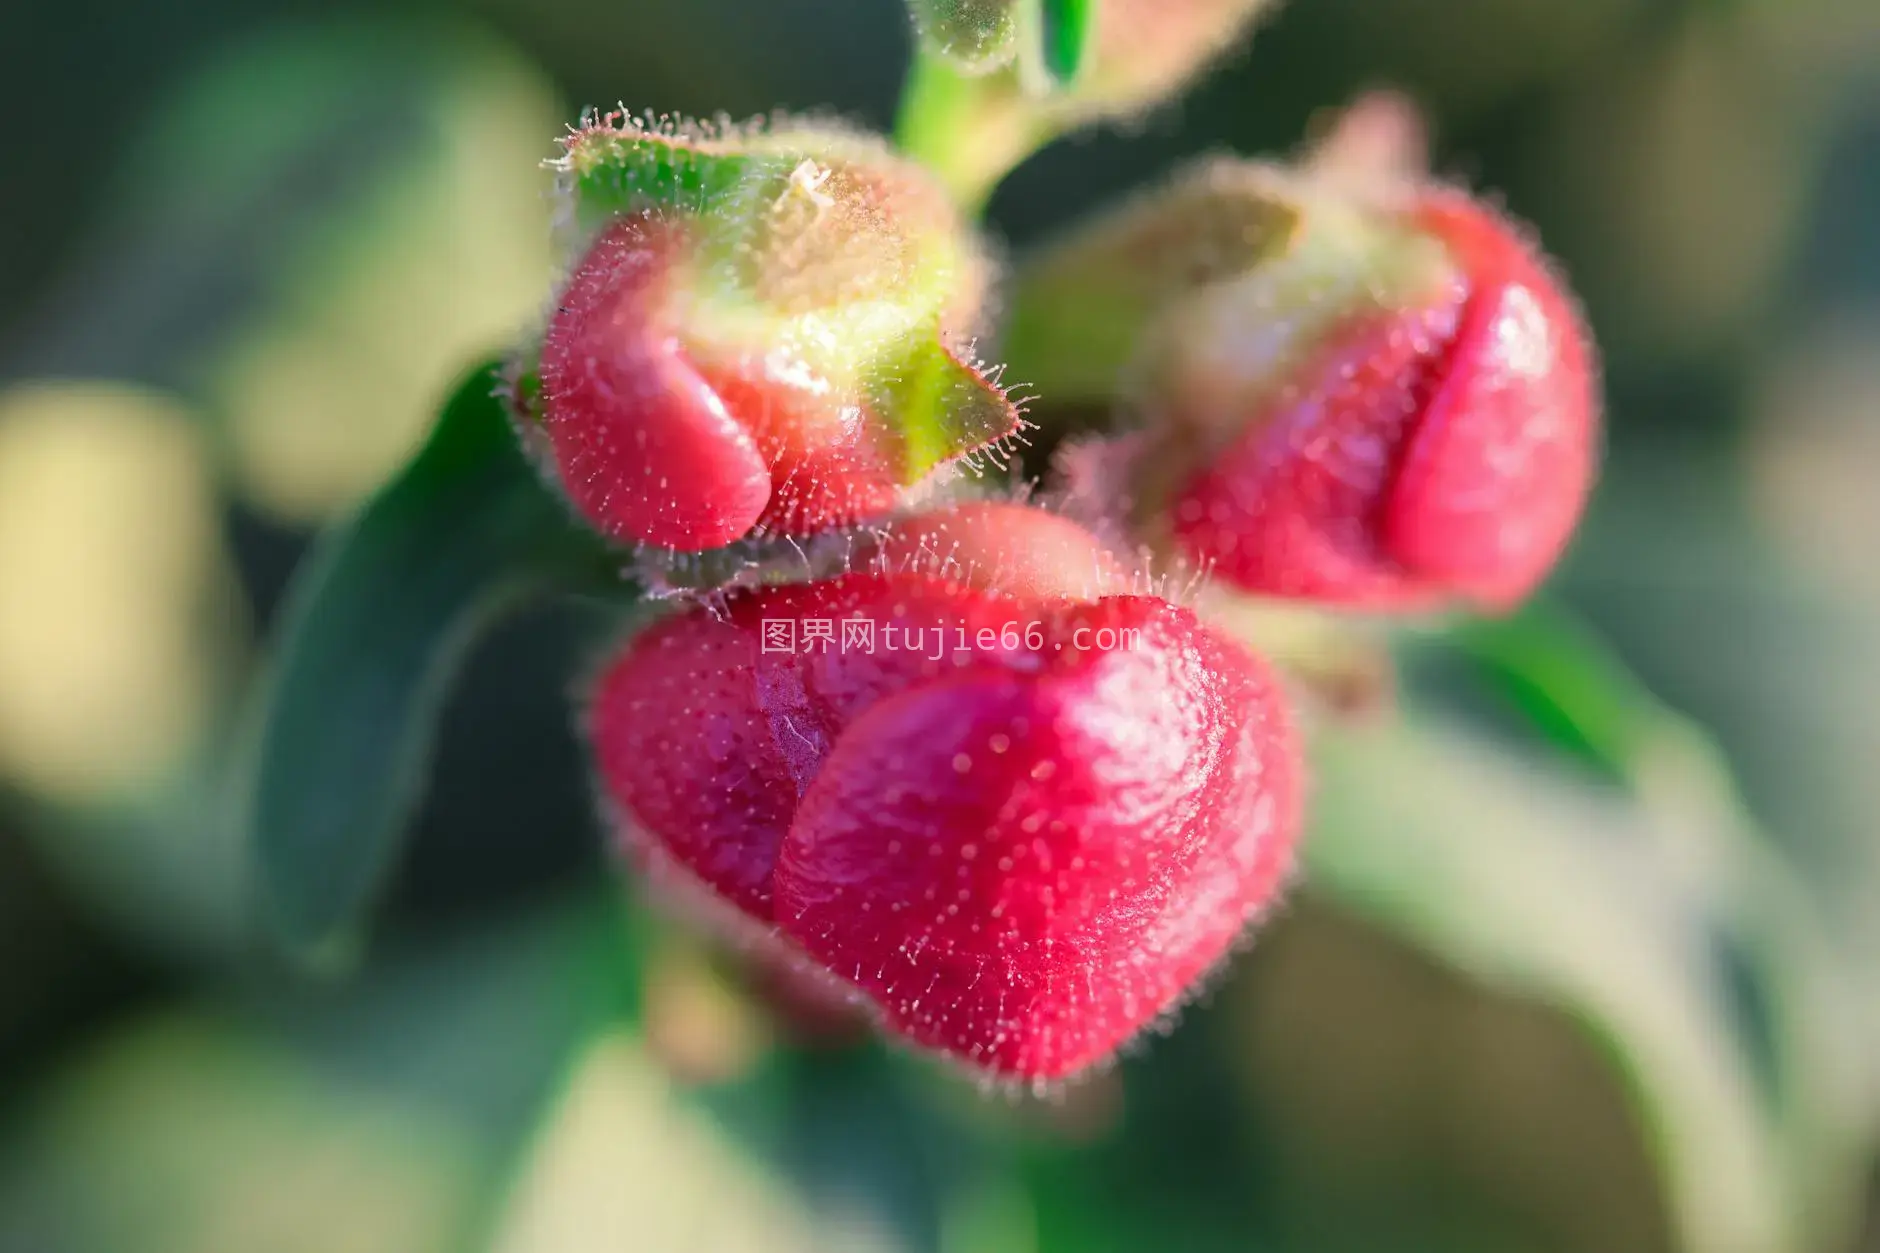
244 249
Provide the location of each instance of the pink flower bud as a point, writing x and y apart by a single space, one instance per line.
1443 449
1377 396
1144 51
763 334
977 36
1022 827
999 546
645 446
995 80
1127 55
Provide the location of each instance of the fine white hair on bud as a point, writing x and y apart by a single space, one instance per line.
766 331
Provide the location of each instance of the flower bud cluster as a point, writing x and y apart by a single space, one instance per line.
1023 839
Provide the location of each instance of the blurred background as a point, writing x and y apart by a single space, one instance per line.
1553 982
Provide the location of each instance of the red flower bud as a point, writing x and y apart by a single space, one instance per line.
1022 827
761 336
997 546
995 80
1376 396
1133 53
977 36
1431 452
645 446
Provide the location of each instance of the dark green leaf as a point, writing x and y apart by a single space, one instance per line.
624 1161
384 1115
313 272
1561 677
379 620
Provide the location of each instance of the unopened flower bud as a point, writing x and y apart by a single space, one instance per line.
1141 52
1000 80
1000 546
1375 396
1022 825
763 333
976 36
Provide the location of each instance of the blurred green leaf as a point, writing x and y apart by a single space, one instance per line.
189 1134
825 1143
379 620
1799 1014
863 1150
1707 998
371 1117
1158 1162
1773 646
1562 678
627 1161
308 239
480 1021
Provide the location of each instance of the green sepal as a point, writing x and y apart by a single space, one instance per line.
614 164
1081 307
942 408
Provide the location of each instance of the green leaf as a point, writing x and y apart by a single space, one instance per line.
626 1162
382 1116
811 1144
379 620
312 272
192 1132
1676 945
1558 675
1797 993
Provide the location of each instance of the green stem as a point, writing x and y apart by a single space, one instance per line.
970 131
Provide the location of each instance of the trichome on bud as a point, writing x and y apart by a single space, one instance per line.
1020 824
763 332
1376 395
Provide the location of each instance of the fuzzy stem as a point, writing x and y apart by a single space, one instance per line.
971 131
